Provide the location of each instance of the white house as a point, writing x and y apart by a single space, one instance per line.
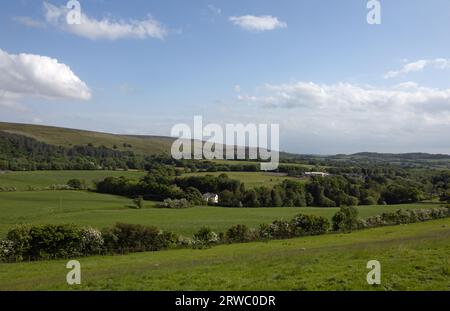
210 198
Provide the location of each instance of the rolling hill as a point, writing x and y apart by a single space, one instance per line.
66 137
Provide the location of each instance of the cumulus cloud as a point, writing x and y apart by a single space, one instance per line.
29 75
345 117
105 28
257 23
418 66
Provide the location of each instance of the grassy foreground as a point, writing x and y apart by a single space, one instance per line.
412 257
101 210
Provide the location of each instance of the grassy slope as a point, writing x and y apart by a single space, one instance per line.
101 210
42 179
412 257
69 137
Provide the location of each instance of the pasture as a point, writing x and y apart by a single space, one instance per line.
412 257
101 210
252 179
42 179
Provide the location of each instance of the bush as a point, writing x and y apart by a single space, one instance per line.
138 202
54 241
238 233
280 229
7 251
21 241
44 242
124 238
404 216
346 219
176 204
309 225
76 184
92 241
205 237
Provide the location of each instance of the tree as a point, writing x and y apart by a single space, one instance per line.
76 184
346 219
276 198
139 202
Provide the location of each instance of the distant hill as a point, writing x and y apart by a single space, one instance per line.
148 145
156 145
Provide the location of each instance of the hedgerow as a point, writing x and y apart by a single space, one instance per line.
62 241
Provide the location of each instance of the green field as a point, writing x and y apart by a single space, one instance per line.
42 179
412 257
231 162
252 179
101 210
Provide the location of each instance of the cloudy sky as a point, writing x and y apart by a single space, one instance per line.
334 83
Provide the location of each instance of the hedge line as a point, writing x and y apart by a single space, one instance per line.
63 241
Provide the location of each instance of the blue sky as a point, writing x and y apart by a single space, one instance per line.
334 83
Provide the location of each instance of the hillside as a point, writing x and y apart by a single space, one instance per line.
157 145
66 137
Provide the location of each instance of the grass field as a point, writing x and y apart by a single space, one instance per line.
231 162
251 179
42 179
101 210
412 257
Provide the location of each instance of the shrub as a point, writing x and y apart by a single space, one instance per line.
21 241
309 225
76 184
54 241
404 216
59 187
48 241
264 232
138 202
7 251
176 204
280 229
238 233
346 219
123 238
205 237
92 241
169 239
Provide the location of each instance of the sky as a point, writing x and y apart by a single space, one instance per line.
333 82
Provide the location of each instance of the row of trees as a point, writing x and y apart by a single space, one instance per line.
163 182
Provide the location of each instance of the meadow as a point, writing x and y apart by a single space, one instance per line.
101 210
252 179
412 257
42 179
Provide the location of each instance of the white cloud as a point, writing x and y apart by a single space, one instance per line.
344 117
349 97
418 66
28 21
105 28
29 75
257 23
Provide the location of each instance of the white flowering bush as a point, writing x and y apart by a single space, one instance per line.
205 237
7 251
91 241
405 216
